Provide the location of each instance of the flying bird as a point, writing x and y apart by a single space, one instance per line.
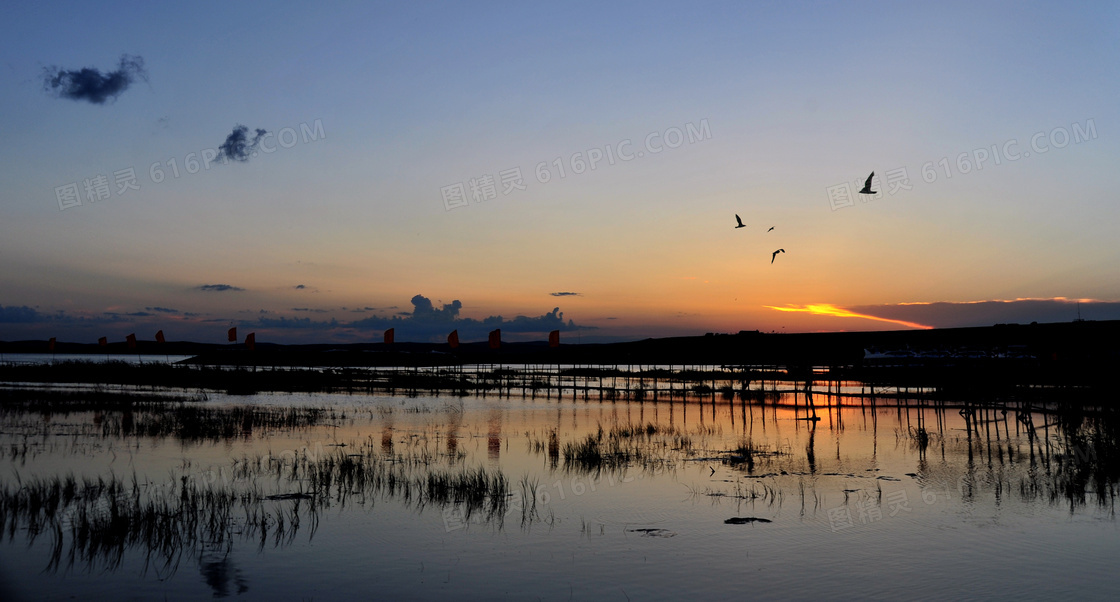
775 254
741 224
867 185
771 228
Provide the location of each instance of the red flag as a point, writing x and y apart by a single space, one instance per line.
50 345
453 339
554 338
496 338
232 334
251 341
103 341
159 337
131 340
389 336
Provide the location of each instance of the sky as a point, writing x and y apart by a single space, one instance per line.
323 173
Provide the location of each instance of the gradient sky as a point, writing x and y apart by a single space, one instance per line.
345 229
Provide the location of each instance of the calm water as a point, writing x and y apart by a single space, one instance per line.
52 358
871 501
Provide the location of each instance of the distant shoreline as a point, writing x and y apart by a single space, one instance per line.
1064 341
966 361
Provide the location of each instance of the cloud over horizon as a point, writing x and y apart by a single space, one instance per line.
429 321
426 322
944 314
949 314
219 287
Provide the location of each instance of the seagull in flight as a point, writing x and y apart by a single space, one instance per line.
741 224
775 254
867 185
771 228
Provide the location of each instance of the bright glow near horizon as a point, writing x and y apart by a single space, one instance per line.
991 130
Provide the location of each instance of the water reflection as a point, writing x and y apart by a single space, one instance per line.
838 462
494 435
219 572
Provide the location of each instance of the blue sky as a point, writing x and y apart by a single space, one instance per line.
383 107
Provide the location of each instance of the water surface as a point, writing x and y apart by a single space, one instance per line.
878 498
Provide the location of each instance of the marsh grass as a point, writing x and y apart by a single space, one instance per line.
95 523
648 446
747 452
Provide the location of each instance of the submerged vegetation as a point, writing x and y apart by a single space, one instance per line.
107 521
96 522
650 447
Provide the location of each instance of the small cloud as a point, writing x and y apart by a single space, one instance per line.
566 294
139 314
310 309
162 310
219 288
90 84
239 146
300 287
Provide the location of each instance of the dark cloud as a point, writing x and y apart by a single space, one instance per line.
427 322
566 294
310 309
239 146
553 320
20 315
987 313
423 310
219 287
162 310
139 314
297 323
90 84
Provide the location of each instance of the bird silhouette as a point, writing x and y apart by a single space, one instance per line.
741 225
775 254
867 185
771 228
